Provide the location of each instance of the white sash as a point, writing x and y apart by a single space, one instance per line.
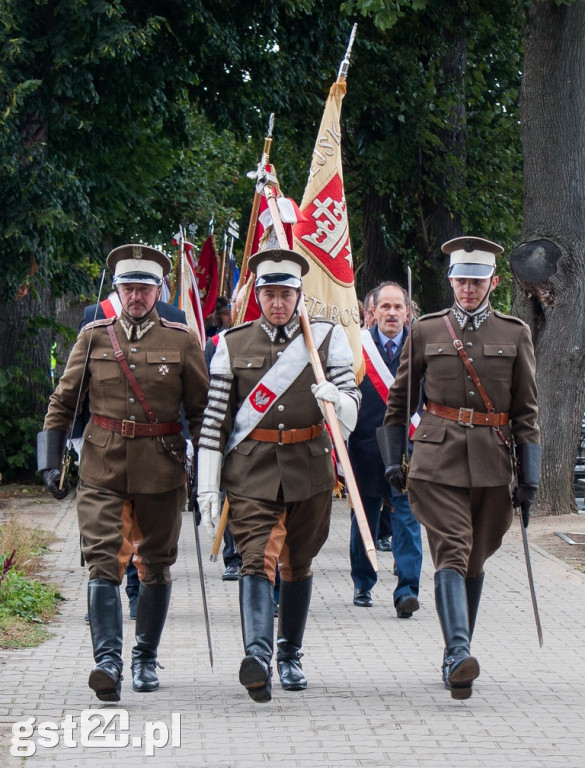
273 384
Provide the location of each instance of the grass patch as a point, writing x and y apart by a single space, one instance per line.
25 602
29 545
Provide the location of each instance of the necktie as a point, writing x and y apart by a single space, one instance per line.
390 348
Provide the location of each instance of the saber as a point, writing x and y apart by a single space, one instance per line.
531 582
406 456
196 513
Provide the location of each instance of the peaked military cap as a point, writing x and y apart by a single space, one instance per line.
137 263
471 257
278 266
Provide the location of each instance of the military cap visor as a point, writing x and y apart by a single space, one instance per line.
138 264
280 264
471 257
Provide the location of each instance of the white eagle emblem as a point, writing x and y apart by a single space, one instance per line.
261 400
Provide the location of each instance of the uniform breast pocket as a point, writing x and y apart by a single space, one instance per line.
162 366
104 366
248 369
440 359
499 361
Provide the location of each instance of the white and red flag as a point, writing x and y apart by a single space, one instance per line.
323 233
185 291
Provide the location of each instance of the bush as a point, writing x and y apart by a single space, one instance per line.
17 431
28 600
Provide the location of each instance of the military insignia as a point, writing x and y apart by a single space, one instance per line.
261 398
163 370
136 252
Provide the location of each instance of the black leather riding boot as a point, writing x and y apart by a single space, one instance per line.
473 587
295 598
105 621
257 613
151 614
460 668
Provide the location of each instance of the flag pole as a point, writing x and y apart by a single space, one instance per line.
330 414
344 66
258 175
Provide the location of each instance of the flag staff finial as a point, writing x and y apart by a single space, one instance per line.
344 66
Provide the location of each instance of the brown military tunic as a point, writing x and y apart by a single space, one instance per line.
132 490
459 476
280 495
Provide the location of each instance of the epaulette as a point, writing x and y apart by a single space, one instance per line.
171 324
440 313
513 318
235 328
99 323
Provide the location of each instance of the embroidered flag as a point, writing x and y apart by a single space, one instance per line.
323 233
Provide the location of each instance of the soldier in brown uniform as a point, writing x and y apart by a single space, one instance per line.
132 488
461 466
264 415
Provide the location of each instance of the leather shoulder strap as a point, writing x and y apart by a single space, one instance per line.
458 344
130 376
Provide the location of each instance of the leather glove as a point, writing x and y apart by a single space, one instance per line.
52 478
193 506
326 391
529 456
209 475
395 477
522 497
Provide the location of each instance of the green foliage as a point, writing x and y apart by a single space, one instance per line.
26 599
18 426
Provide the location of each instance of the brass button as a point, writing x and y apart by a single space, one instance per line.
131 400
469 344
281 407
472 393
281 426
132 418
133 349
132 367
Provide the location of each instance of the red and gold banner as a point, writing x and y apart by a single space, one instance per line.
323 233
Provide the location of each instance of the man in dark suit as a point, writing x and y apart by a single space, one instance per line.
382 345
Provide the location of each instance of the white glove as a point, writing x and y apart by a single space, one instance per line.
189 452
208 479
325 391
345 406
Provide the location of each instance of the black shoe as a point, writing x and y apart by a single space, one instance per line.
144 677
459 674
105 679
255 676
406 606
133 600
232 573
363 598
384 544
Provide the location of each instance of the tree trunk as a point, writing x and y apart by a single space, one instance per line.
550 289
378 261
26 344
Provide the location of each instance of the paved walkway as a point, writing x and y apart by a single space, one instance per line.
374 698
